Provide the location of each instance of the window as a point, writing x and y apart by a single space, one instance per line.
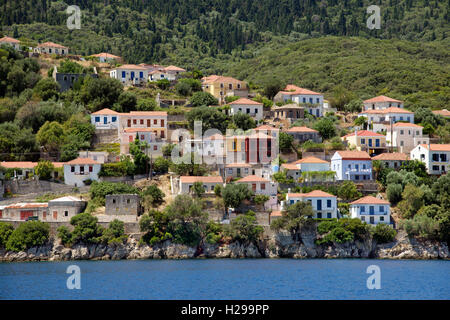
90 168
141 74
134 121
128 201
304 100
114 119
97 119
364 166
263 186
363 209
142 121
155 121
328 203
329 215
319 215
124 74
401 132
142 137
381 209
318 100
363 141
155 148
435 168
72 169
310 100
435 157
66 213
363 218
381 218
114 200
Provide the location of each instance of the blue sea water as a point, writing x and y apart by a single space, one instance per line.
227 279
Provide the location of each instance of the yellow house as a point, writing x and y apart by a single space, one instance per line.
365 140
220 87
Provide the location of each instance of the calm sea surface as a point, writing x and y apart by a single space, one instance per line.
226 279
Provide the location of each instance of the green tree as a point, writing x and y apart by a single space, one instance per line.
197 189
383 233
47 88
242 121
115 233
244 228
146 104
412 201
161 165
348 191
394 193
286 141
6 229
203 99
44 170
234 194
163 84
141 160
51 136
293 219
326 128
183 88
126 102
152 196
100 93
27 235
86 229
211 118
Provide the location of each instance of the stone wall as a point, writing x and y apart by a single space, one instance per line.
122 204
105 136
36 186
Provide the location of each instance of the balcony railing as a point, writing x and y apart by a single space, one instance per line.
358 171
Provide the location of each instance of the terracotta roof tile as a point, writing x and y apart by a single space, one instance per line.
245 101
301 129
51 44
9 39
106 111
382 99
370 200
391 156
310 160
364 133
350 155
204 179
406 124
312 194
437 147
294 90
82 161
253 178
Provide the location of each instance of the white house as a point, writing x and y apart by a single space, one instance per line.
435 156
79 170
262 186
106 57
405 136
130 74
381 103
380 120
186 183
52 48
371 210
309 168
247 106
10 42
105 119
312 101
324 204
170 73
352 165
392 160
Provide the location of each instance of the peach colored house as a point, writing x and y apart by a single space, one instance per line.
406 136
52 48
10 42
186 183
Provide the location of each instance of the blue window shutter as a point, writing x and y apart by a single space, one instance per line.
114 119
123 74
141 74
97 119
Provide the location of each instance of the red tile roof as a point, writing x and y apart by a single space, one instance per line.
106 111
406 124
388 110
301 129
310 160
223 79
354 155
444 112
395 156
364 133
312 194
147 113
245 101
174 68
128 130
370 200
252 178
51 44
193 179
289 166
18 164
105 55
83 161
294 90
437 147
266 127
382 99
238 165
131 66
9 39
276 213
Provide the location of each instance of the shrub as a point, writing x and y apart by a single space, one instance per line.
203 99
115 233
218 190
64 234
327 226
337 235
27 235
394 193
244 228
85 229
6 230
261 198
163 84
421 226
197 189
153 195
44 170
383 233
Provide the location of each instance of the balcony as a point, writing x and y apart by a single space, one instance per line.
358 171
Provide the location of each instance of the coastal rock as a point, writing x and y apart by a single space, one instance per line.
177 251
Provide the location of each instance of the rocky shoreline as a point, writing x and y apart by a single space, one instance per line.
276 247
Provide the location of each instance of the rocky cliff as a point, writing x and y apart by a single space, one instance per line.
279 246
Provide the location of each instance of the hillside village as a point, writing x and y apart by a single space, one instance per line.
261 160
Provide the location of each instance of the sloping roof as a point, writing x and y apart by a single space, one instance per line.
370 200
193 179
83 161
131 66
66 199
289 166
105 55
276 213
245 101
381 99
364 133
294 90
406 124
350 155
437 147
216 78
174 68
301 129
23 205
391 156
443 112
215 136
388 110
310 160
51 44
288 106
9 39
266 127
18 164
312 194
253 178
147 113
106 111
